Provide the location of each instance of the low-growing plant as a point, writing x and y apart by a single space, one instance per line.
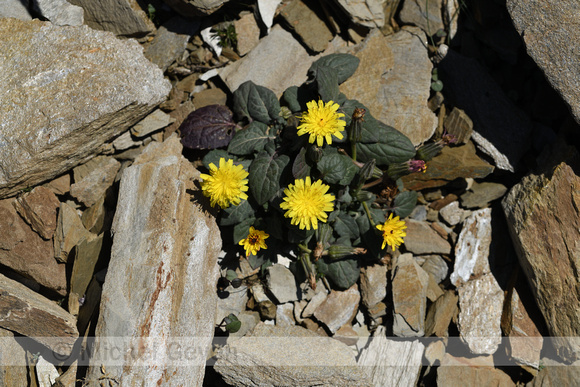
313 169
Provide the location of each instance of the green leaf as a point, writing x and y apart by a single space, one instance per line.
295 235
231 275
384 144
343 64
342 272
290 96
235 214
345 226
300 167
265 175
250 139
242 229
256 103
327 81
370 237
405 203
232 323
363 221
437 85
337 169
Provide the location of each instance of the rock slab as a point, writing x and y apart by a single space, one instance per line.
161 281
288 356
551 51
59 111
393 81
543 216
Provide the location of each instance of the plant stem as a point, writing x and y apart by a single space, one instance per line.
368 212
304 249
353 150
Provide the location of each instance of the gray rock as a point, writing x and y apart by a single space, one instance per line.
550 32
46 373
451 213
192 8
422 239
30 314
234 303
285 314
393 81
92 184
126 141
373 284
480 309
339 308
409 284
248 33
501 131
288 356
425 14
69 231
121 17
88 88
317 300
281 283
367 13
436 266
419 213
15 8
480 194
25 252
60 185
59 12
392 363
472 248
267 65
11 352
161 280
304 21
170 41
153 122
249 320
542 212
38 208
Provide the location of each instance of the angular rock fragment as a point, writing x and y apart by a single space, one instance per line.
409 284
373 284
69 231
288 356
367 13
393 81
304 21
423 13
338 308
59 12
440 314
543 216
390 362
161 280
30 314
25 252
480 310
88 88
478 371
281 283
472 248
38 209
422 239
96 177
121 17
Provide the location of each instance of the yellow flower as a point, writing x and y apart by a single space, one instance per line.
322 122
393 232
307 203
225 185
254 242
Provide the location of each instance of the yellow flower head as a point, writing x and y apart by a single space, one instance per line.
393 232
322 122
307 203
254 241
225 185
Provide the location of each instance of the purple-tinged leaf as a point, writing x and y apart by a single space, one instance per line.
208 127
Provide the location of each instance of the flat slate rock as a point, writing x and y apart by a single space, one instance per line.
59 111
550 30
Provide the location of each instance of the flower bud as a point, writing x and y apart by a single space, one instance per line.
341 251
368 170
427 151
314 153
356 124
364 196
285 112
